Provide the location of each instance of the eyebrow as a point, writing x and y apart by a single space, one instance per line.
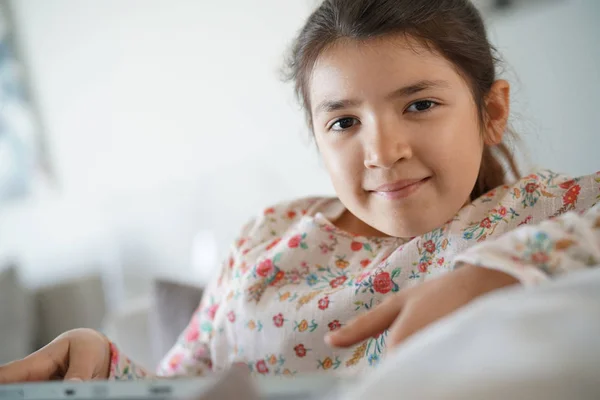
405 91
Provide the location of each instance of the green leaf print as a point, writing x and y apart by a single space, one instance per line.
206 327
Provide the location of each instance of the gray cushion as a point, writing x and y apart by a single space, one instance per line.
173 305
77 303
16 320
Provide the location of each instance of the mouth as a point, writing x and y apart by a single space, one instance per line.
400 189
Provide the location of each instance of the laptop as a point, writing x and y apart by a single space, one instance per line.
235 384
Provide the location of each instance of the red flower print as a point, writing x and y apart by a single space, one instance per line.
295 241
441 261
502 211
324 303
265 268
291 214
571 196
423 267
382 282
539 258
531 187
212 310
337 281
429 246
278 320
269 211
241 242
114 354
192 333
261 367
526 220
175 361
278 276
300 350
486 223
567 184
364 263
273 243
231 262
333 325
231 316
356 246
246 251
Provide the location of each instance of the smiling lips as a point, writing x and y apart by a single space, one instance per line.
400 189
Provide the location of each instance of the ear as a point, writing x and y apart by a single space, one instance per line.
497 105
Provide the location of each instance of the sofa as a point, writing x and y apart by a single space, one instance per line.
144 328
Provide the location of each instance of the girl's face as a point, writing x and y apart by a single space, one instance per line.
398 130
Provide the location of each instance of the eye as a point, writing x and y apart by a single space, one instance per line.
421 106
343 124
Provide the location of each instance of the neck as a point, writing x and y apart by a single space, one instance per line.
352 224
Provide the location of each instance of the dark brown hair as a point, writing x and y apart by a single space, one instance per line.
454 28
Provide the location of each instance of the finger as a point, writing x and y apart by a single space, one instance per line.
415 317
39 366
366 325
82 364
407 323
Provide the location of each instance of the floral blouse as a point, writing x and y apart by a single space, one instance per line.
292 276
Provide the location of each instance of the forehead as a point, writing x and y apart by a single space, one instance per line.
374 67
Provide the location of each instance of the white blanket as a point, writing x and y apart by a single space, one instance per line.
536 343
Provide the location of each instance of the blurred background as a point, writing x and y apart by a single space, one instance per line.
137 136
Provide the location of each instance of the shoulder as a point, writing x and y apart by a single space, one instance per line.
558 192
275 220
289 210
546 194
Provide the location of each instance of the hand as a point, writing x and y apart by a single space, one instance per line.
80 354
412 309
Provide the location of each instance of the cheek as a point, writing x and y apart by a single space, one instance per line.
455 154
345 165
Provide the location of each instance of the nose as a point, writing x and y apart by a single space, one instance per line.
386 144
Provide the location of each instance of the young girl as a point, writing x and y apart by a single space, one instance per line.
410 120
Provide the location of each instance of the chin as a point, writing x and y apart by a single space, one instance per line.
409 228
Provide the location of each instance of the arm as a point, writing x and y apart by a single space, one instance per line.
534 253
190 356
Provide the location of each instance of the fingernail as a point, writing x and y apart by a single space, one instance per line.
328 337
75 380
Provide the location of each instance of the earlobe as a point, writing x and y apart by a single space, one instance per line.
498 109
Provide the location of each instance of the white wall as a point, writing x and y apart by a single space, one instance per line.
154 91
166 117
552 50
